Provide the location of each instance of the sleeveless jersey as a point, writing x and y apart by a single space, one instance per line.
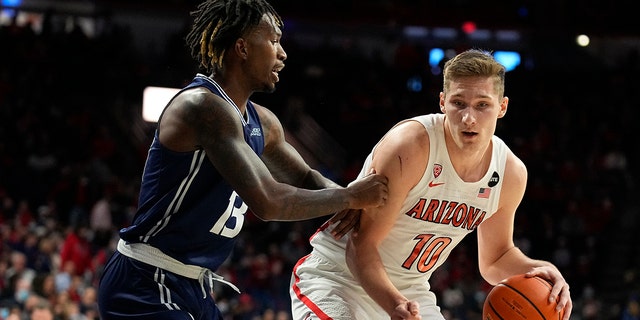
435 216
186 209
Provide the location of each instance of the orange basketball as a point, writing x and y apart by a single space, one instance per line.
520 298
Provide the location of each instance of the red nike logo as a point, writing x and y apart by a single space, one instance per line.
431 184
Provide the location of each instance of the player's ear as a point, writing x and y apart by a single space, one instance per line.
442 97
503 107
241 48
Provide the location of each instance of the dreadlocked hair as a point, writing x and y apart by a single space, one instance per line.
219 23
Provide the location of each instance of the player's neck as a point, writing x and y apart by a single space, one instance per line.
234 90
471 165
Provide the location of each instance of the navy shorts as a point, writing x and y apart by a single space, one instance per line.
130 289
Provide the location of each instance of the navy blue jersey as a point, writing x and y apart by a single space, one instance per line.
186 208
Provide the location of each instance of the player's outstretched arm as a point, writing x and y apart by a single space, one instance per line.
286 165
219 133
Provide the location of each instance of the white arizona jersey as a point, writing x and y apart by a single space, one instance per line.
436 215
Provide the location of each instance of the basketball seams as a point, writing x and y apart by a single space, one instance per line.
532 303
495 312
546 283
549 286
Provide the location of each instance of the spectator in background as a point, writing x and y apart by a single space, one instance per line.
19 267
101 220
631 309
42 310
44 286
18 278
75 254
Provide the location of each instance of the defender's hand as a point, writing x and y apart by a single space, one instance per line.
346 220
369 191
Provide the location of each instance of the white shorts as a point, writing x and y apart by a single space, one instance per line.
321 289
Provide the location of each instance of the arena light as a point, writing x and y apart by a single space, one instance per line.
583 40
435 56
154 99
445 33
415 32
509 59
8 11
11 3
508 35
469 27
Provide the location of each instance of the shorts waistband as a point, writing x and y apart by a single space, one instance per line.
153 256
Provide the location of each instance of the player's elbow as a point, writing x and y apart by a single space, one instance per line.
269 206
488 275
489 271
267 211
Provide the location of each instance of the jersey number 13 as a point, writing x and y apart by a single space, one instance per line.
231 213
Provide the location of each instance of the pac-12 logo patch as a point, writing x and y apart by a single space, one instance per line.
437 170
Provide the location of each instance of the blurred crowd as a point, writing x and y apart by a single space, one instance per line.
72 146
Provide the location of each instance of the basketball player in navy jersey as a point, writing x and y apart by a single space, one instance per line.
215 154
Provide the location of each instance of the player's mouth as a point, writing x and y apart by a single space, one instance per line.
469 133
275 71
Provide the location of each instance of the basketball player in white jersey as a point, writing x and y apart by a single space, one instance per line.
448 176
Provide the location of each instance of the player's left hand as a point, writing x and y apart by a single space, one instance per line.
560 291
346 220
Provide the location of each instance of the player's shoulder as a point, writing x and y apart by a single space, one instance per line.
268 118
199 104
515 169
413 126
408 131
198 97
262 110
407 138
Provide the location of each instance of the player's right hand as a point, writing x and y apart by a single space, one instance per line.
409 310
369 191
